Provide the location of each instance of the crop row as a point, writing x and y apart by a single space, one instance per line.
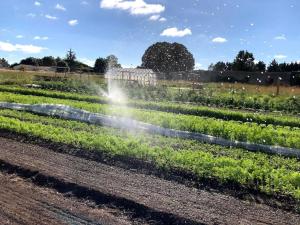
207 96
224 99
269 174
232 130
177 108
152 140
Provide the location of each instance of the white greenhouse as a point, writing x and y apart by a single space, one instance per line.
142 76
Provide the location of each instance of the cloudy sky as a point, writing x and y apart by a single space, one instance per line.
212 30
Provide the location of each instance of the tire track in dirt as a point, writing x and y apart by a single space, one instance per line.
163 201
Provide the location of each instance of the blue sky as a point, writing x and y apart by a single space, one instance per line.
212 30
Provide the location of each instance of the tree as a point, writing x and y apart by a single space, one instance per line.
211 67
71 60
112 62
244 61
168 57
30 61
4 63
273 67
219 66
101 65
260 66
229 66
71 56
48 61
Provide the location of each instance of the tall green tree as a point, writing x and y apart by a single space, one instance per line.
4 63
168 57
48 61
260 66
71 60
219 66
244 61
112 62
274 66
101 65
30 61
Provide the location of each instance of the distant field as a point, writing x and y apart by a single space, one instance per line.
29 76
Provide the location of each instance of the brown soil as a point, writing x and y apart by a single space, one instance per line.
141 198
21 202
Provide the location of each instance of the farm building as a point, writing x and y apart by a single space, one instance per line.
141 76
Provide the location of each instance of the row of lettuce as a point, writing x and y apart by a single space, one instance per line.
205 96
218 113
269 174
232 130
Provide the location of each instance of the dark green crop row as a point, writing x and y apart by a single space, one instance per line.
206 96
257 102
232 130
177 108
269 174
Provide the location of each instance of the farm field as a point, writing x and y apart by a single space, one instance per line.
120 196
255 182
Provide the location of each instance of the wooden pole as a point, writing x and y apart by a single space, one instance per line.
278 86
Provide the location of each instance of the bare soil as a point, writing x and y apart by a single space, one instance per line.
131 196
21 202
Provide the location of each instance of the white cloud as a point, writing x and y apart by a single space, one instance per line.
162 19
60 7
32 15
84 3
280 56
134 7
73 22
51 17
154 17
36 3
175 32
31 49
157 18
219 40
19 36
281 37
41 38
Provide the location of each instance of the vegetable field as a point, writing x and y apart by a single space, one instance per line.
273 175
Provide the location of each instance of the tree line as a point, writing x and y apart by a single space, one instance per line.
160 57
245 61
69 63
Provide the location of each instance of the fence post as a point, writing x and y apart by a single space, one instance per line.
278 86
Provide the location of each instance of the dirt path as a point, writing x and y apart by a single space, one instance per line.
145 197
21 202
